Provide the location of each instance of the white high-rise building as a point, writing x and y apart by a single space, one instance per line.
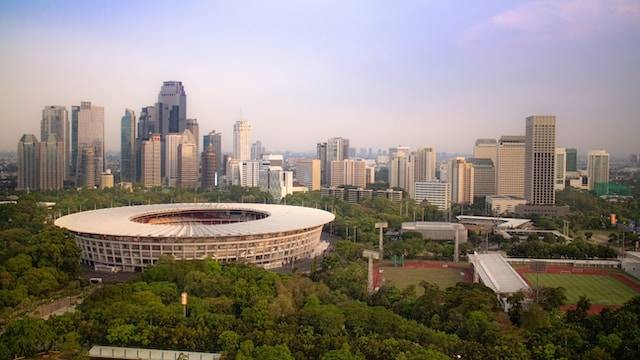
561 168
435 192
425 164
172 144
540 154
510 166
401 169
89 130
150 167
243 173
598 170
188 162
242 140
461 178
55 120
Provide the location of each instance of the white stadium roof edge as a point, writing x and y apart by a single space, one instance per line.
118 221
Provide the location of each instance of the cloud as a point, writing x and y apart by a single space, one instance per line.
558 18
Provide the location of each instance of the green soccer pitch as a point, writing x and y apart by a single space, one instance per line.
403 277
600 289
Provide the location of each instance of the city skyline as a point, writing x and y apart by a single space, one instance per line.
422 72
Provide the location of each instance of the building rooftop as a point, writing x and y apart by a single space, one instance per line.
195 220
430 225
499 222
113 352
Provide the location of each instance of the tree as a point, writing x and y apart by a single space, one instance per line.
26 337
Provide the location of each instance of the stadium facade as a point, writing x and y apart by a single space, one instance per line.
131 238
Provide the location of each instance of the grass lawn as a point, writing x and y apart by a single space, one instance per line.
600 289
403 277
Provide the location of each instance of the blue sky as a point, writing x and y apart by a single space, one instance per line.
382 73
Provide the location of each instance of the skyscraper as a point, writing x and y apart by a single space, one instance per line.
28 162
510 168
242 140
128 146
188 163
90 134
194 128
209 163
401 169
484 177
561 168
540 153
172 143
425 164
214 139
55 120
461 179
348 172
486 149
51 170
308 173
150 152
572 160
172 108
257 150
598 171
75 110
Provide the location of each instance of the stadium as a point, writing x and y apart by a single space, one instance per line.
133 237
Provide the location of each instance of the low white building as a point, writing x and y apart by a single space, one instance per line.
437 231
631 263
503 204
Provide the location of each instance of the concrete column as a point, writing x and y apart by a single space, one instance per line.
370 276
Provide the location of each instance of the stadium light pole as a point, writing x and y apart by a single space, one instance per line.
381 226
370 255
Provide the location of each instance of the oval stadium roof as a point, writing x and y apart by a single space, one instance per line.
118 221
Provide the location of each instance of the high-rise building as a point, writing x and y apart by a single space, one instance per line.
148 123
171 108
598 171
540 154
243 173
510 167
55 120
461 179
89 129
151 153
572 160
425 164
335 149
275 181
28 163
272 160
484 175
172 143
401 169
321 154
209 161
561 168
435 192
214 139
51 169
370 174
188 162
257 150
194 128
128 146
308 173
486 149
242 140
75 110
348 172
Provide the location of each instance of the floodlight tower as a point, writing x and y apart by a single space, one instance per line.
370 255
381 226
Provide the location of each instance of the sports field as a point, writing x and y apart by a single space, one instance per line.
600 289
403 277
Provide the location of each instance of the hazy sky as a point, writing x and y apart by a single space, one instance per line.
434 73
